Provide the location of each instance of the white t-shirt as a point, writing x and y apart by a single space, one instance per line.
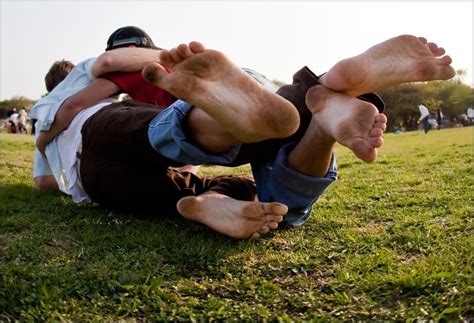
68 144
22 116
423 111
14 118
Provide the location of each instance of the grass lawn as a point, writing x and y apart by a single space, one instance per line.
389 241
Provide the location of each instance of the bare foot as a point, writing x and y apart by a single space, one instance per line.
236 219
349 121
209 80
398 60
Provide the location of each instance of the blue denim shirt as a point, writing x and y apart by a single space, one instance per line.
45 111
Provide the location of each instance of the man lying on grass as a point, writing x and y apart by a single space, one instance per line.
61 161
225 117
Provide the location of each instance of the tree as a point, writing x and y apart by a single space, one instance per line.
453 97
17 102
401 106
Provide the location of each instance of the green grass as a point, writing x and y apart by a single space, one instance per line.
389 241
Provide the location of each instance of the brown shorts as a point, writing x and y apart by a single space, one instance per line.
121 171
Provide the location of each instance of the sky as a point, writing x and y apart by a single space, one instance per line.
274 38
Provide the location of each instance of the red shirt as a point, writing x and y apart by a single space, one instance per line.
138 89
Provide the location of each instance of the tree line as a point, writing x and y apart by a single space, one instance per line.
17 102
453 97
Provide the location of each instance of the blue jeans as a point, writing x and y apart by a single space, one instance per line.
426 124
274 180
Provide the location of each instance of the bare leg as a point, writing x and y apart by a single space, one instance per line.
398 60
236 219
208 133
210 81
337 118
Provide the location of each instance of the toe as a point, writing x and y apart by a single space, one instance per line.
435 50
445 60
254 236
273 218
184 51
165 59
439 52
264 229
380 125
423 40
381 118
376 141
446 72
375 132
154 73
196 47
276 208
273 225
364 149
433 47
175 56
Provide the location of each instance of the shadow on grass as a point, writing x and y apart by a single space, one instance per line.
54 253
51 219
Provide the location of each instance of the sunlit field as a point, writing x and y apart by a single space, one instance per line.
390 240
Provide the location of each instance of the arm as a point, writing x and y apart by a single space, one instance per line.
128 59
43 178
94 93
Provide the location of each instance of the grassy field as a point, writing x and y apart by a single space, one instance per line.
389 241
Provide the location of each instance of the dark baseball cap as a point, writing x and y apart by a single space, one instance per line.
129 35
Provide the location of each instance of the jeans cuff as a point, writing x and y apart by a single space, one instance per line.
167 136
305 186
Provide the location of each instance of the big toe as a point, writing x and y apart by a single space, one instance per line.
376 142
364 150
154 73
196 47
275 208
